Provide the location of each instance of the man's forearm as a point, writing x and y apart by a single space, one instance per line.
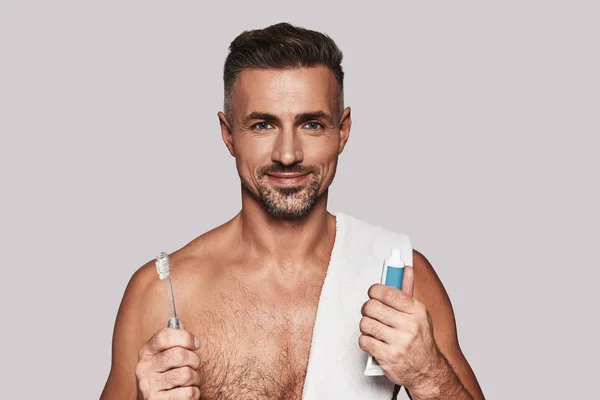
440 383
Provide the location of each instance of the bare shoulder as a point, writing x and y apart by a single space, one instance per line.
430 291
136 319
143 303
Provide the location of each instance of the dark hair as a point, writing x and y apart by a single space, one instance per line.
281 46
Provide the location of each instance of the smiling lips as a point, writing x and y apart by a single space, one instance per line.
287 179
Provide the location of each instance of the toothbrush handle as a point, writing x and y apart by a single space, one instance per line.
173 323
173 319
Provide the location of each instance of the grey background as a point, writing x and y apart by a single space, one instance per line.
475 132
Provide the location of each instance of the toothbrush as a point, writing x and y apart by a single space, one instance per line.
163 267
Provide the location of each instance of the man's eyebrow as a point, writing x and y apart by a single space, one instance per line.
313 115
261 115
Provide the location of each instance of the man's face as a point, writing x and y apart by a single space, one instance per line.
286 136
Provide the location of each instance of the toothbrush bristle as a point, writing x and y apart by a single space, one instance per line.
163 265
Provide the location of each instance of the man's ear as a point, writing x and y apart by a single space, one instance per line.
345 125
226 132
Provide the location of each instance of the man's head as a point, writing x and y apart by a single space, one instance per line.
284 115
281 46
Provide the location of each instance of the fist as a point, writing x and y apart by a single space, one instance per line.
396 329
167 366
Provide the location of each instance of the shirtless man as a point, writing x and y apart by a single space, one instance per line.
247 291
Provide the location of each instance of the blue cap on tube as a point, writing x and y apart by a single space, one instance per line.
394 269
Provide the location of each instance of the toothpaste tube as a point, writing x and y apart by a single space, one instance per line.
392 274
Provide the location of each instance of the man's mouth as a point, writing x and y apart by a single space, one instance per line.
288 179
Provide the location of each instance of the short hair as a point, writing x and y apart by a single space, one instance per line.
281 46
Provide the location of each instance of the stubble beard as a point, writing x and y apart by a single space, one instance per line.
290 202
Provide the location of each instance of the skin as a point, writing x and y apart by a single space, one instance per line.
247 291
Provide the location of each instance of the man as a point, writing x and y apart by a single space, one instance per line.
247 291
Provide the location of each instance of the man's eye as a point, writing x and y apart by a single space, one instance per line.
314 125
261 126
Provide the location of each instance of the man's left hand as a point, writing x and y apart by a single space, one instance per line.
397 331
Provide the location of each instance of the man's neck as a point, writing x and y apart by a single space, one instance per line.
286 241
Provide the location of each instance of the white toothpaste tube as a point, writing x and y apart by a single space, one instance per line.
392 274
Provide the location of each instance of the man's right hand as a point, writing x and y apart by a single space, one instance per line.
167 366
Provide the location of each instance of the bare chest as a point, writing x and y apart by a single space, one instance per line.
252 348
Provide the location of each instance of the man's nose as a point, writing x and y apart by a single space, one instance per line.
288 148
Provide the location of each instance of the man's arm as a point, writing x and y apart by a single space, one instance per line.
412 334
454 374
131 330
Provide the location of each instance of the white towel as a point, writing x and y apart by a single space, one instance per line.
336 364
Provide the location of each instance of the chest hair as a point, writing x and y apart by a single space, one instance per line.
253 348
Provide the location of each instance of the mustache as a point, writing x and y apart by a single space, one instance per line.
289 169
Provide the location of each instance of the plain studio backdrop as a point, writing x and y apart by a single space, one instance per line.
475 131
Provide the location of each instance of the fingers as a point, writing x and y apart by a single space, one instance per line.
167 365
385 314
374 347
175 357
181 393
408 280
371 327
392 297
167 338
176 377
